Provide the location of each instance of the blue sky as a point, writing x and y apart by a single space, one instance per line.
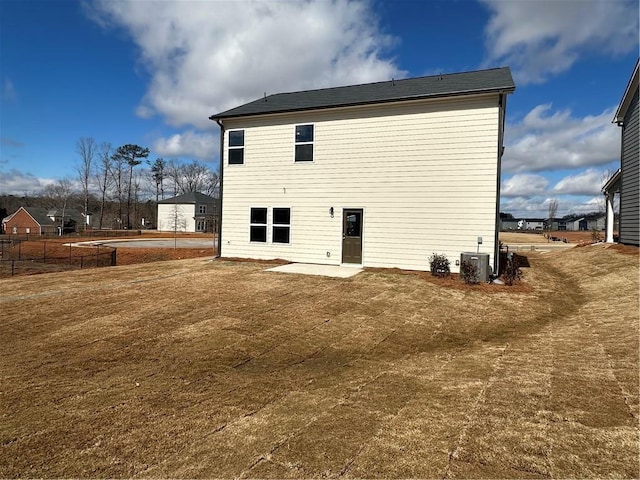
152 72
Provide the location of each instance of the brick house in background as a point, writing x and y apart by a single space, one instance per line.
40 221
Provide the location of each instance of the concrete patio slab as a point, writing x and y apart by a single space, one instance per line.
334 271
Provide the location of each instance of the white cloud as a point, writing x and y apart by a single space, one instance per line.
15 182
205 57
547 140
588 182
538 207
188 144
539 39
523 184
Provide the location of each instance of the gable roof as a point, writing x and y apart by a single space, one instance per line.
42 216
630 91
189 197
481 81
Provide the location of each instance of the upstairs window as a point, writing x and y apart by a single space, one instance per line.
202 209
236 147
281 225
258 225
304 143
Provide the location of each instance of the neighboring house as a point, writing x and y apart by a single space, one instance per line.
40 221
380 175
531 224
191 212
626 181
506 225
594 221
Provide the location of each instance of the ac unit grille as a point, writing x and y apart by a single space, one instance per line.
481 261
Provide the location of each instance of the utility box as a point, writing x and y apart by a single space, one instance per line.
481 261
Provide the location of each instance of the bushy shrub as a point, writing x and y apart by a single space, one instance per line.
512 273
469 272
595 235
439 265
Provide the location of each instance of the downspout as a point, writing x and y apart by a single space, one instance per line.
221 125
502 106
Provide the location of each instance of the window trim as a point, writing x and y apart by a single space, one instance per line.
312 142
280 225
235 147
265 225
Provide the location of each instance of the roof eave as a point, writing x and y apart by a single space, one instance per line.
629 92
503 90
615 178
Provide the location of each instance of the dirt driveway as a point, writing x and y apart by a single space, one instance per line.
200 368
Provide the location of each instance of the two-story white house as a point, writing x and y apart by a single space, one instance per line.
379 175
189 212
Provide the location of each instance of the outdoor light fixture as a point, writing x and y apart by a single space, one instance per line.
331 212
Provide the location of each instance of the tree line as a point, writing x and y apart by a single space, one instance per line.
118 186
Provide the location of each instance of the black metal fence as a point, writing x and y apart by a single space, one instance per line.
20 257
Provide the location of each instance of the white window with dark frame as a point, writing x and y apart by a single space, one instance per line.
281 228
258 225
202 209
236 147
304 143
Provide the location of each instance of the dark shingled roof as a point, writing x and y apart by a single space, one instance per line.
41 215
190 197
481 81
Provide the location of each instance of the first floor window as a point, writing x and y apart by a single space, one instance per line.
258 225
281 225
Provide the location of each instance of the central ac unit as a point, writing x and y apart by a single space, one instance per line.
481 262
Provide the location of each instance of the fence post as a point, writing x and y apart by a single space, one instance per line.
19 250
113 258
98 256
13 267
69 253
44 251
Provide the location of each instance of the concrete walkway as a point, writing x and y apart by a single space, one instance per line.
334 271
151 243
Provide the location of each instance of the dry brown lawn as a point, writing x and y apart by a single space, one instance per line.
573 237
199 368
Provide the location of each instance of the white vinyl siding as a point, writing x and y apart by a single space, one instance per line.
176 217
424 173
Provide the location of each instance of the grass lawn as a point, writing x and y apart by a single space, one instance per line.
198 368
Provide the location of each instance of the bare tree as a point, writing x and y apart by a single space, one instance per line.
60 193
173 171
553 211
132 155
103 176
192 177
117 172
86 149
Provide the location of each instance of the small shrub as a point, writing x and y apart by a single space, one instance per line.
469 272
595 235
439 265
512 273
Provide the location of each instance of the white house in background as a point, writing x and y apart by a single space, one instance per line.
380 175
191 212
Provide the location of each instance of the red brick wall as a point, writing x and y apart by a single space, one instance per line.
22 224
